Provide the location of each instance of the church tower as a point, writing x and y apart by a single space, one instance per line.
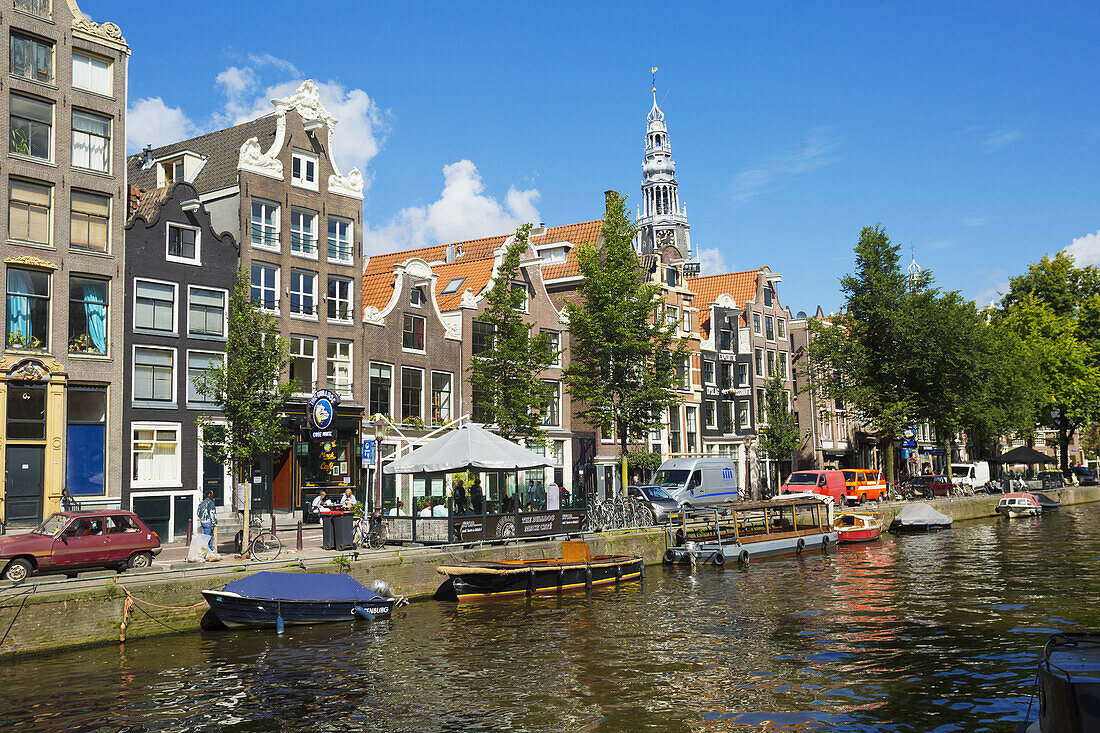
661 219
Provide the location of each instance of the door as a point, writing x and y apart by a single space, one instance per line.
82 544
156 512
124 537
25 469
183 509
282 482
213 472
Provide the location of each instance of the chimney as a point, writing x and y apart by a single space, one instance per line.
450 257
133 200
538 231
146 157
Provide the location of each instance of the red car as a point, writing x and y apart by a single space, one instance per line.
72 541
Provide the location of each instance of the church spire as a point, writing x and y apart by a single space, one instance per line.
662 221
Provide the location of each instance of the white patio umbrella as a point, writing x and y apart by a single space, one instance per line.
467 447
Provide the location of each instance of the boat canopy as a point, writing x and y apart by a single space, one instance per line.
919 515
302 587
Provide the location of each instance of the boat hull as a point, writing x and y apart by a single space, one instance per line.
479 586
719 554
236 611
862 534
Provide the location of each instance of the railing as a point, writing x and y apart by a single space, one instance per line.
265 237
338 252
303 243
482 527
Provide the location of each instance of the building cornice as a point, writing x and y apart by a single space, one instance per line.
107 34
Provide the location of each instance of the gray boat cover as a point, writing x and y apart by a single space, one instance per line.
920 515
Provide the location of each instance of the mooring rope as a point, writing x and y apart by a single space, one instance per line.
131 602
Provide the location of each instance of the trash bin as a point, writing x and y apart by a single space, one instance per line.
336 530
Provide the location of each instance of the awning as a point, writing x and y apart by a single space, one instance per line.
1023 454
467 447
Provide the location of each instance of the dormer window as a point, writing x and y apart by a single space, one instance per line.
522 287
453 285
172 170
416 297
671 277
303 170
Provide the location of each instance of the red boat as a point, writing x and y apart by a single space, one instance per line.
858 526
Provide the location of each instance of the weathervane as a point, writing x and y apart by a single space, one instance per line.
653 71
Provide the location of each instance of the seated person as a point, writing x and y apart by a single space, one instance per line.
319 502
348 500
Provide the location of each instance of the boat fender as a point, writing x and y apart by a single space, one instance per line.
279 625
362 613
641 571
718 559
618 573
825 543
743 557
680 537
670 556
587 577
530 581
801 545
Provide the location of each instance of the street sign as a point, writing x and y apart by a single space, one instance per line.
368 453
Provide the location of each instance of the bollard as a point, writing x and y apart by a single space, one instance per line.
272 522
215 538
190 529
299 535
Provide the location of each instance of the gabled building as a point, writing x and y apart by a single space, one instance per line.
62 246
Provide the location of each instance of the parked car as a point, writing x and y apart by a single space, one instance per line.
1085 475
661 506
68 542
927 486
1051 479
826 483
863 484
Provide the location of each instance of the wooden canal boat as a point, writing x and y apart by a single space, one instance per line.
576 569
749 530
858 527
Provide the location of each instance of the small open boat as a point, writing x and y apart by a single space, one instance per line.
261 600
858 526
919 518
1048 503
577 568
1019 504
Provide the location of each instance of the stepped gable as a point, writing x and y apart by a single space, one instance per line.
741 286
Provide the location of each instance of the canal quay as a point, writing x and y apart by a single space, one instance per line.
938 631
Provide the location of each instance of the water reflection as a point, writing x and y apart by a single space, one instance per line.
928 632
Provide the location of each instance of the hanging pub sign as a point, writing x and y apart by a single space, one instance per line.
322 413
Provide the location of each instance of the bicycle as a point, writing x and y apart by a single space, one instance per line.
265 546
371 532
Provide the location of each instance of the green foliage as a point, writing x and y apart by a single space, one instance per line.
1057 282
779 436
645 461
342 562
623 360
245 385
506 379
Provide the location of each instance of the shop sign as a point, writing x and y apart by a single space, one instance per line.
713 391
723 356
322 413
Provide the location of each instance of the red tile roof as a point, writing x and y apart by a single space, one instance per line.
741 286
477 274
577 234
378 289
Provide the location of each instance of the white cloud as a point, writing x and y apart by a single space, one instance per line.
816 151
1085 250
462 211
1001 137
236 80
711 261
150 121
975 221
266 59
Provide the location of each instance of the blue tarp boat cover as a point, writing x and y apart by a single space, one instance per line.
301 587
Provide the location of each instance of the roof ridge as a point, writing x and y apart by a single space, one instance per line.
204 135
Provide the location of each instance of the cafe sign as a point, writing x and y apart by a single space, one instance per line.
322 413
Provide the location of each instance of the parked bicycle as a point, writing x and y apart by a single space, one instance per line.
371 531
619 513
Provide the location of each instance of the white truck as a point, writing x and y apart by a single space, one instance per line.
972 475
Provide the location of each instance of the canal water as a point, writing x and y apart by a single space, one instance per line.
936 632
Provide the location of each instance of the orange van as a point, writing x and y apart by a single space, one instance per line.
826 483
864 484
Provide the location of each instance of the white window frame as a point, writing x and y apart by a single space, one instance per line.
53 126
194 404
784 365
301 181
166 404
331 379
197 261
757 324
290 302
49 211
225 312
424 333
278 273
685 319
769 318
307 388
710 410
771 364
742 382
350 241
781 329
313 216
556 398
416 296
74 133
713 374
177 483
758 364
92 59
450 399
277 231
175 307
349 310
424 389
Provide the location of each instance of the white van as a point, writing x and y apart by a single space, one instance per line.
695 482
974 475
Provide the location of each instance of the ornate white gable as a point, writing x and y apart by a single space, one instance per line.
349 185
253 159
469 300
307 102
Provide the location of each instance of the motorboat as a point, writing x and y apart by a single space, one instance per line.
748 530
576 569
1019 504
1069 685
271 599
858 527
919 518
1048 503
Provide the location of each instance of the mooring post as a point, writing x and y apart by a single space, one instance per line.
299 535
190 529
272 522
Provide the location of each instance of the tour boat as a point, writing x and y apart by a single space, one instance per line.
1019 504
576 569
1069 685
919 518
748 530
271 599
858 527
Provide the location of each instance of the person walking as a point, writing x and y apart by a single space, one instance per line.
458 494
477 496
208 517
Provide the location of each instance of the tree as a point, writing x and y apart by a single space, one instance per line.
623 359
506 379
245 387
1058 282
779 436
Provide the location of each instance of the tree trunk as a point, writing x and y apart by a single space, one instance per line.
1063 446
947 454
888 450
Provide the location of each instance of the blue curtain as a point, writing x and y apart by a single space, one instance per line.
95 310
19 307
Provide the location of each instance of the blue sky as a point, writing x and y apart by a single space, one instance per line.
970 130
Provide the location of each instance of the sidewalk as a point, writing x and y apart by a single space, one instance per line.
174 554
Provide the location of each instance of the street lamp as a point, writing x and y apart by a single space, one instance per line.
379 423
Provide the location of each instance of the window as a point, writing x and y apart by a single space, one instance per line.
89 214
708 371
522 288
155 455
773 369
769 328
742 375
742 414
769 295
154 306
172 170
28 308
339 240
31 127
303 294
671 276
686 321
554 337
552 409
31 58
441 398
41 8
725 340
381 388
416 297
26 412
781 327
692 427
672 316
453 285
784 365
200 362
412 333
183 244
265 224
674 430
303 363
726 413
760 406
86 440
756 323
727 375
758 360
339 299
29 211
710 414
153 370
412 385
206 313
338 373
303 170
87 316
482 337
265 286
91 73
303 233
91 141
